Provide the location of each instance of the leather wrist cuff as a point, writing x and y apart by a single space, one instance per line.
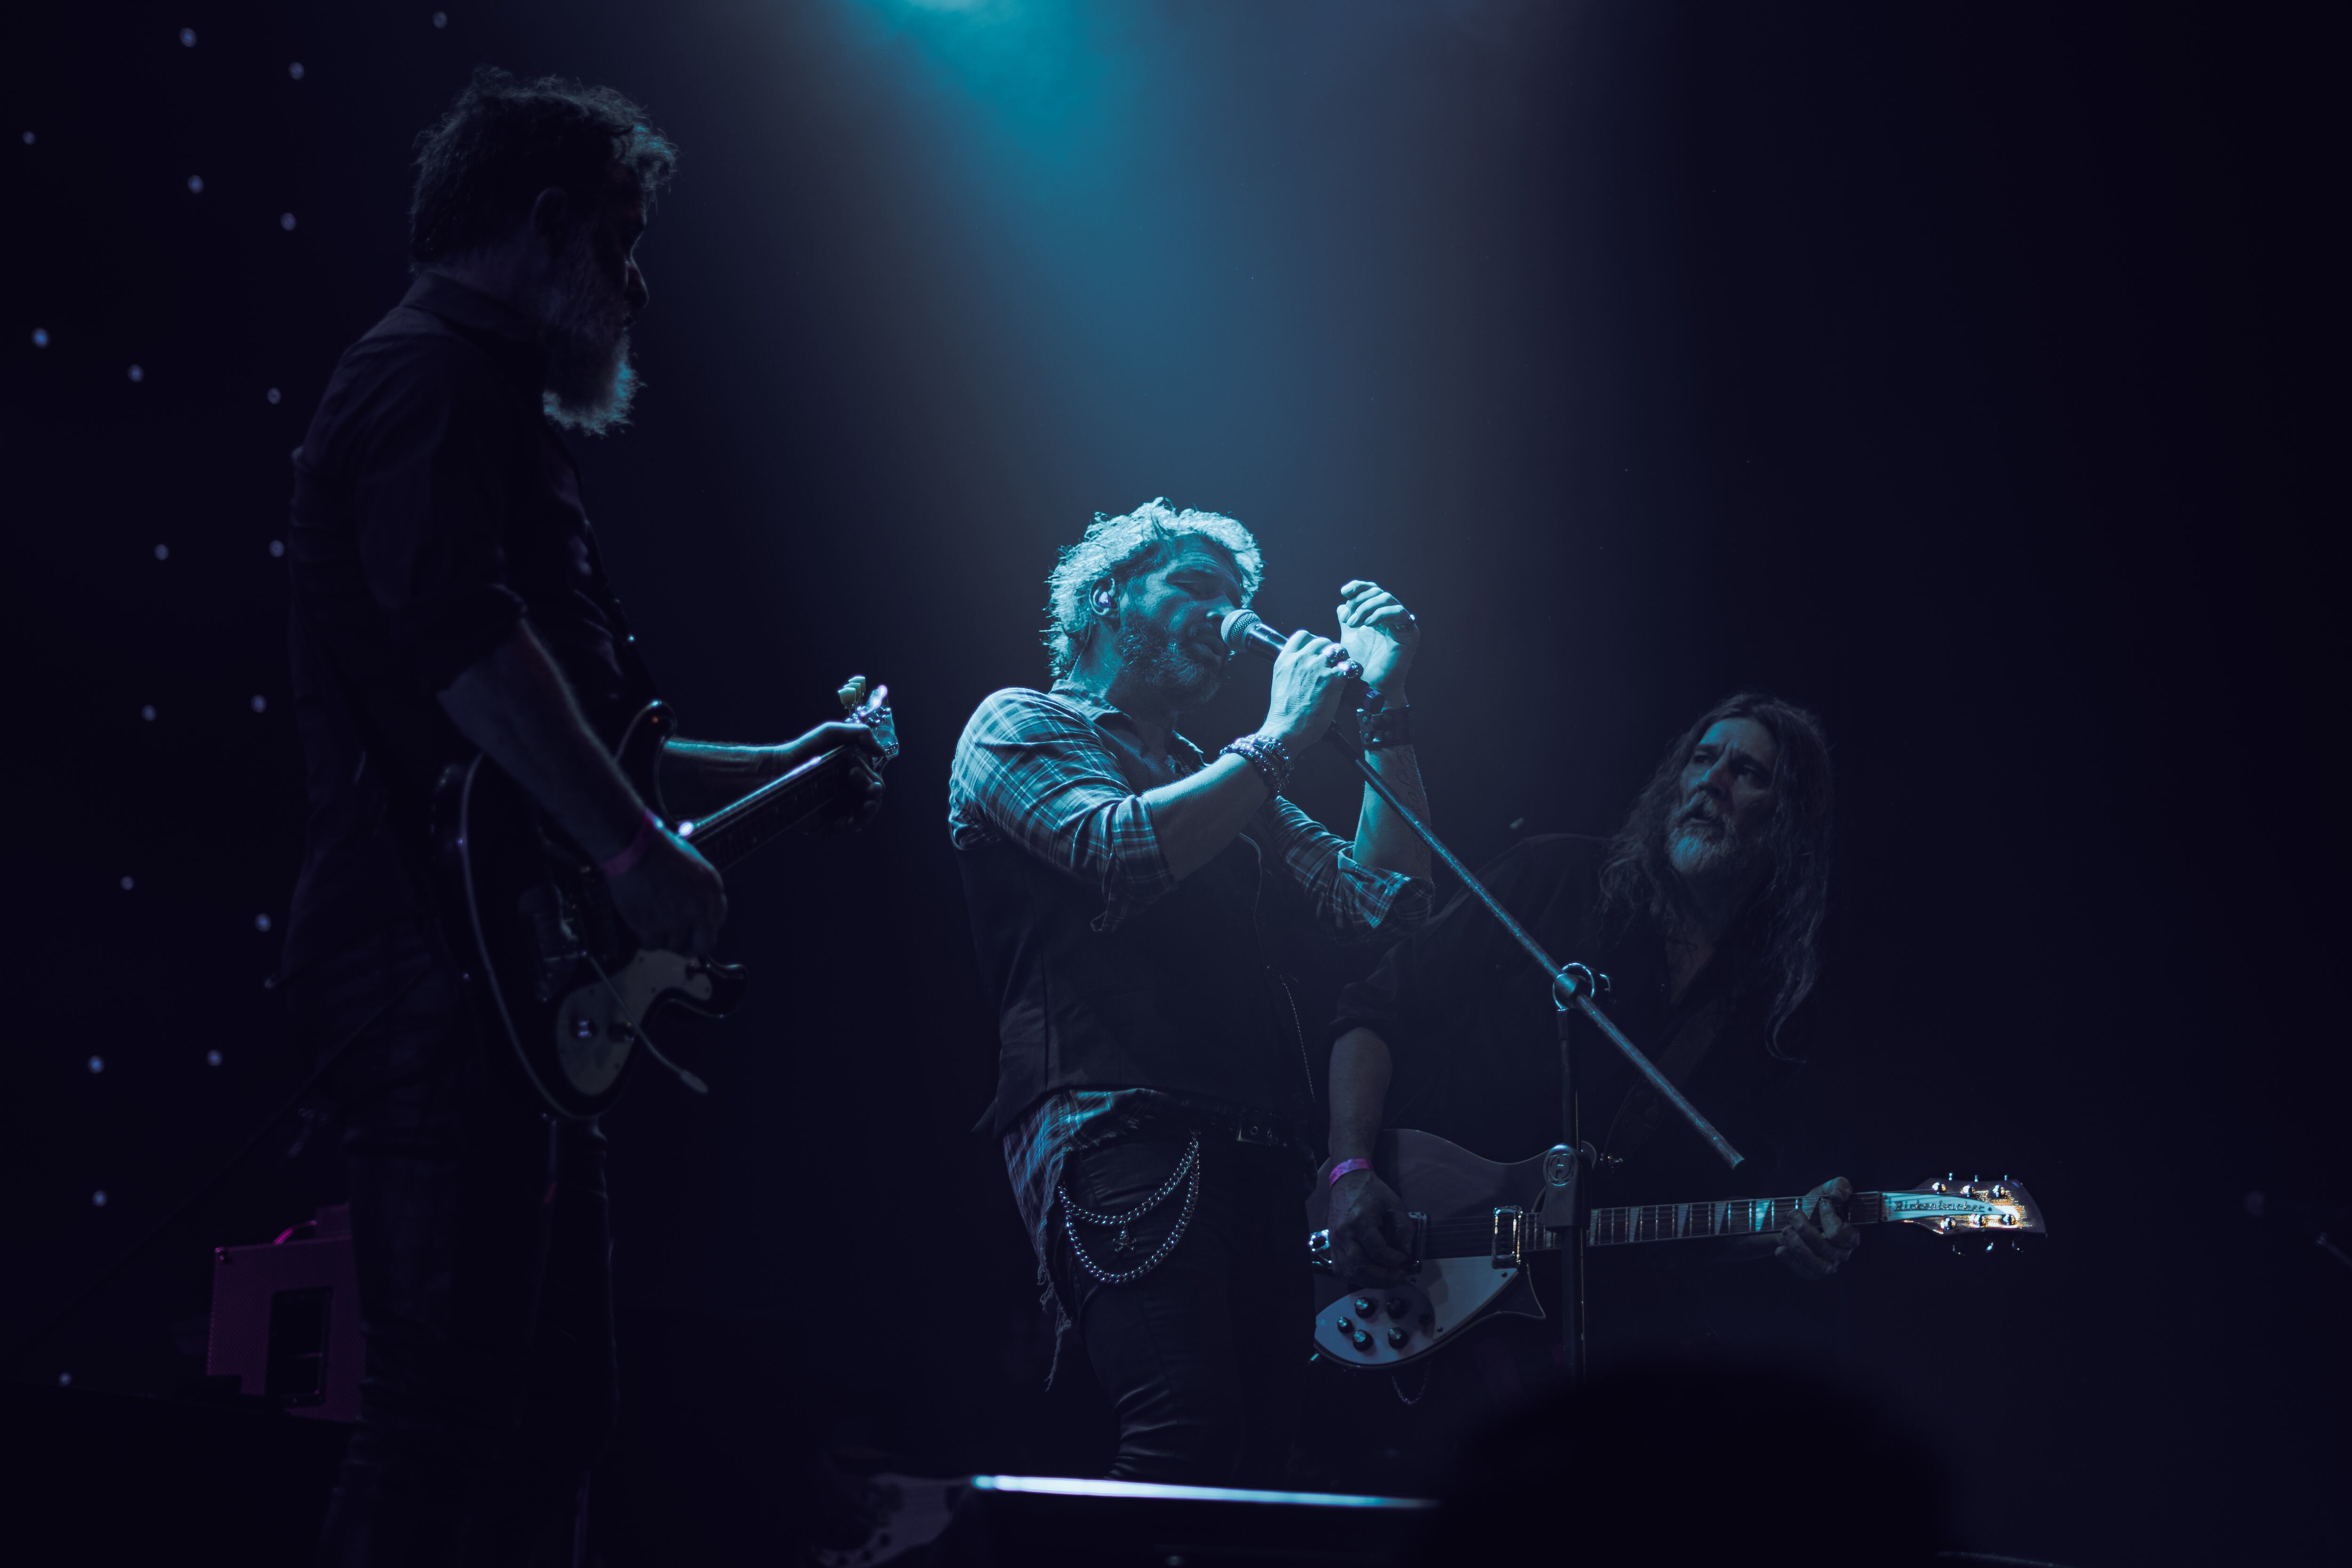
1384 727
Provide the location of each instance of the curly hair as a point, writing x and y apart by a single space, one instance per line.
1124 547
1780 931
504 141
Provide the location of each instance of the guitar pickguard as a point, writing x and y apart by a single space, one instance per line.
1440 1300
597 1025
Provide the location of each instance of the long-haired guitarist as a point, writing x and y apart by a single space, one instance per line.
1705 910
1151 1066
449 599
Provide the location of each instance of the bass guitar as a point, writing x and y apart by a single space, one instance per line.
556 974
1475 1228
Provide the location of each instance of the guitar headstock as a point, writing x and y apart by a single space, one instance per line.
1950 1206
871 709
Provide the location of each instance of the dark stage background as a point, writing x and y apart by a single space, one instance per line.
1967 374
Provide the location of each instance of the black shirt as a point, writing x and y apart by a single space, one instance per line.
435 507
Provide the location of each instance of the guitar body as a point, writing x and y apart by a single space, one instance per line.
554 973
1445 1187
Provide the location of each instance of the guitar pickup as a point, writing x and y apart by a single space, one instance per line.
1510 1238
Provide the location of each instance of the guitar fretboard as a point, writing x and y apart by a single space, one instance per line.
1731 1216
726 835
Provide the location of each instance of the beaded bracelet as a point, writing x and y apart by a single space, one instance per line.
1269 756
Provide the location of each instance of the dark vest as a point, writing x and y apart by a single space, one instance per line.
1179 997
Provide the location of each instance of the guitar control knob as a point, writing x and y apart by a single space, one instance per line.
1367 1307
583 1028
1397 1338
1345 1325
1361 1340
1397 1307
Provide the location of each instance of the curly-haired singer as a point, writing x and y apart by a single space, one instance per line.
1151 1066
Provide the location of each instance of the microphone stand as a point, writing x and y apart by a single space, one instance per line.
1573 987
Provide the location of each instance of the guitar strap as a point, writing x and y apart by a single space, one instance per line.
1639 1113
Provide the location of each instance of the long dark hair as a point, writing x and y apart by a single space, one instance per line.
1779 933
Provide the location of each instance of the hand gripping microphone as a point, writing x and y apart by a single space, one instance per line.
1243 629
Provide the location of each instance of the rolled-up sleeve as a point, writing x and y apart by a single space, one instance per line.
1033 772
431 500
1346 898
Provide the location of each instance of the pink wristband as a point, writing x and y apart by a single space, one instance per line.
1344 1166
637 850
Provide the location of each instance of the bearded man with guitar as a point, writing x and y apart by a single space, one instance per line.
454 635
1151 1069
1705 910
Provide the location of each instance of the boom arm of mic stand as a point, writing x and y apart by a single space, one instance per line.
1574 983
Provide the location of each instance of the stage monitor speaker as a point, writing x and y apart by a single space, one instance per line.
1042 1521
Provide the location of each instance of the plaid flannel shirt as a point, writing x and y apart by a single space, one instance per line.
1042 770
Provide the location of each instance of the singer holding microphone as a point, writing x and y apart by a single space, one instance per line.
1151 1069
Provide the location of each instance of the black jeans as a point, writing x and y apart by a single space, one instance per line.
1202 1356
480 1227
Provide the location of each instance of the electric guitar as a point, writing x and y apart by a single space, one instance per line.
556 974
1475 1228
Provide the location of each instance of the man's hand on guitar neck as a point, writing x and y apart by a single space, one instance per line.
1820 1239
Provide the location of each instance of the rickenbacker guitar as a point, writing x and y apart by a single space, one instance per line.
557 974
1476 1230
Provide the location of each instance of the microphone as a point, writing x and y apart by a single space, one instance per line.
1243 629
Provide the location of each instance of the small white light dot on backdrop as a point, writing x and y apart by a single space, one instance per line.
261 922
40 337
196 184
98 1198
65 1380
286 222
295 70
147 711
29 139
276 547
97 1064
163 553
271 394
262 705
137 374
127 884
212 1058
187 37
440 18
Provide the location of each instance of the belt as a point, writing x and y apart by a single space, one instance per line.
1260 1127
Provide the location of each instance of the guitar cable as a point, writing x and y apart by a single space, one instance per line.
26 1347
684 1077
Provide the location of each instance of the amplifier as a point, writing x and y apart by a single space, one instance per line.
286 1318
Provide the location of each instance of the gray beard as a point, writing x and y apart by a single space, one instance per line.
590 381
1704 859
1162 667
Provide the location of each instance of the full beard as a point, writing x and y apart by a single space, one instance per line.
1165 667
590 381
1707 851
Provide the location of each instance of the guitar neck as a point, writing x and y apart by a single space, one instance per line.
776 808
1731 1216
